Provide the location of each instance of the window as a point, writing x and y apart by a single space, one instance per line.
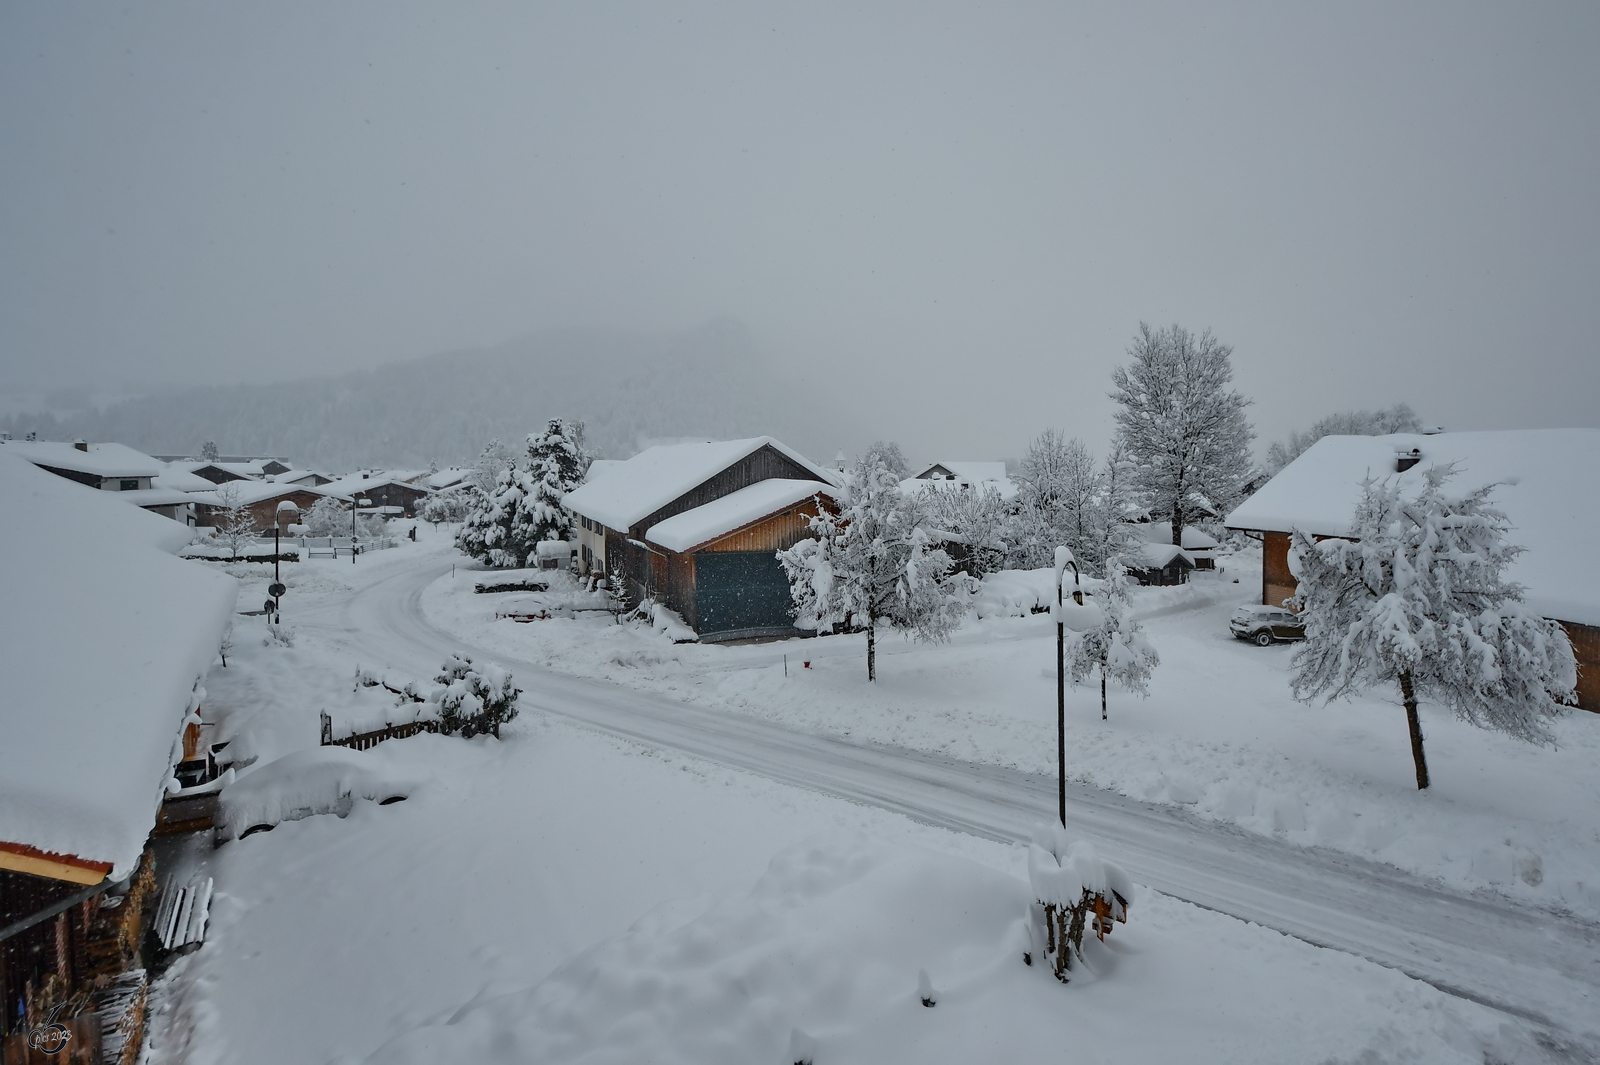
130 484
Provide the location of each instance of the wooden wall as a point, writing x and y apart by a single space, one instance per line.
766 463
1586 647
779 532
1277 583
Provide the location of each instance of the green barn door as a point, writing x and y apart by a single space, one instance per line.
741 590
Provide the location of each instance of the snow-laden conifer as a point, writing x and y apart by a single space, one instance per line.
556 465
874 561
1117 648
473 699
497 529
1183 427
1419 597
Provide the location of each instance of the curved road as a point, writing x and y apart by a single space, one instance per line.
1540 968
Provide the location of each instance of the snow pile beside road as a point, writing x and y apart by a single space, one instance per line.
320 780
821 962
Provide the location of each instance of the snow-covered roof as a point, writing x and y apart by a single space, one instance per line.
637 488
1551 494
101 460
366 481
178 478
296 476
447 478
252 492
155 497
692 528
600 467
1160 532
102 636
962 475
1158 556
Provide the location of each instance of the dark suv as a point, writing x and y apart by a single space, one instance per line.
1266 624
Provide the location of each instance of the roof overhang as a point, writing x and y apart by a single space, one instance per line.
21 858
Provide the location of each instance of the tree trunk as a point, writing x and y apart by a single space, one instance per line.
1415 724
872 647
1102 691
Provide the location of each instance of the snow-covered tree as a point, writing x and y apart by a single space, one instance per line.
557 463
873 562
1183 427
237 525
1117 647
888 452
978 517
617 599
495 459
498 530
328 517
208 451
451 504
474 699
1060 499
1419 598
1399 418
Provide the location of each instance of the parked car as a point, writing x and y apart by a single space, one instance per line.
1266 624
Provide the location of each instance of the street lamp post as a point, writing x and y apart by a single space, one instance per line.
1075 613
287 512
355 505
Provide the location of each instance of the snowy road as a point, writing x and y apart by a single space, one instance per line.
1542 969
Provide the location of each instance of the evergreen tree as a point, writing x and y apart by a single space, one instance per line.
1117 647
1183 428
498 529
1418 597
473 700
872 562
557 463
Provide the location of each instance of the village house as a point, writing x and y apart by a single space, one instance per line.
85 762
945 476
137 478
385 489
1158 561
1548 485
261 498
697 528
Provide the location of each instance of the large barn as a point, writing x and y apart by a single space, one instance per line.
1549 486
697 527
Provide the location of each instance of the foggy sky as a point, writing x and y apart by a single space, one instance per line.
955 216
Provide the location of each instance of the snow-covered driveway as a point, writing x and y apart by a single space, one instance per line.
1539 966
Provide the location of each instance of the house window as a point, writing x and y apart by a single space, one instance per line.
130 484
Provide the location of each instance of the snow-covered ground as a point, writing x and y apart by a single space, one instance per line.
560 895
1219 732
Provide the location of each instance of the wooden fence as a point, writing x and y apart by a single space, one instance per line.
360 741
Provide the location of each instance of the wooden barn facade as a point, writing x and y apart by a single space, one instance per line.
697 527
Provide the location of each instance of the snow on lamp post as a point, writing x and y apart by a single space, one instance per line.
1079 614
355 505
287 513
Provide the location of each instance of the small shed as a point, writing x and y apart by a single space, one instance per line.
1161 564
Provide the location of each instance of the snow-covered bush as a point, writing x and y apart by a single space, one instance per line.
449 505
328 517
1418 597
474 699
237 527
873 562
1070 883
1117 647
977 519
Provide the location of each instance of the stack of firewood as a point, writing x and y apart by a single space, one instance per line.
1071 883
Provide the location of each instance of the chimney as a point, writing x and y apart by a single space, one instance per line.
1404 460
81 444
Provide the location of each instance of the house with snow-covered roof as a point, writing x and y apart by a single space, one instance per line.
1548 485
948 476
260 497
697 527
105 640
137 478
396 489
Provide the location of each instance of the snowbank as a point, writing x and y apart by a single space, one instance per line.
1019 592
103 638
320 780
829 957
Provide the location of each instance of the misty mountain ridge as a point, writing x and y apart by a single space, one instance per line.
630 389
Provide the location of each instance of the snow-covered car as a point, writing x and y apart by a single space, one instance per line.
1266 624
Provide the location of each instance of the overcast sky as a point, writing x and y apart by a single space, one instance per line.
958 214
